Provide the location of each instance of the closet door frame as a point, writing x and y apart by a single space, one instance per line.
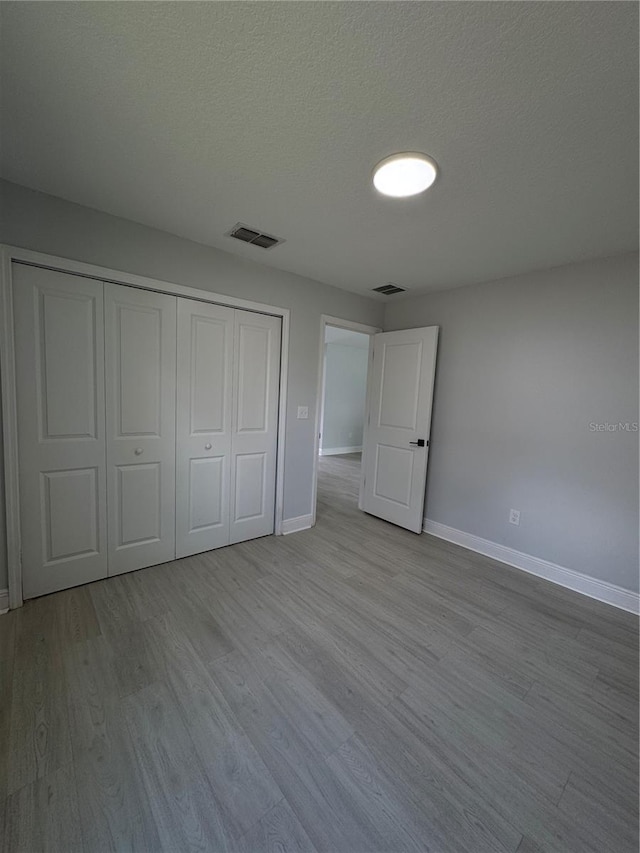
12 254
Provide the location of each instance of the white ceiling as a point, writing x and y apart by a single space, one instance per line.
346 337
191 117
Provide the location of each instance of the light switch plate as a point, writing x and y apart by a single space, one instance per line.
303 412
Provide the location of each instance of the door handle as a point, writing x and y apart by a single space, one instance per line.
207 446
138 451
419 443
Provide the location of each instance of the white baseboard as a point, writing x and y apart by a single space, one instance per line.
294 525
617 596
339 451
4 601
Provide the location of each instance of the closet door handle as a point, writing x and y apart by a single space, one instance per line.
207 446
138 451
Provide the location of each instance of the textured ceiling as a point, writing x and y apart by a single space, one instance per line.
191 117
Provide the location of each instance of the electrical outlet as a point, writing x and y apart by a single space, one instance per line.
303 412
514 516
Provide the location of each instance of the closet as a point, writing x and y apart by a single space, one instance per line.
147 426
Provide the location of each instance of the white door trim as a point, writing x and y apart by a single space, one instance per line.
327 320
9 254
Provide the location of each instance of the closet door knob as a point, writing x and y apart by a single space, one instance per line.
207 447
138 451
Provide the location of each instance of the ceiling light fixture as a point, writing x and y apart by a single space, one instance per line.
402 175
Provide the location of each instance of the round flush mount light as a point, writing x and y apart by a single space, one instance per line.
403 175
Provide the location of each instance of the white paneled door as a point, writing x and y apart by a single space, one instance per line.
60 383
396 447
254 424
203 426
147 426
140 346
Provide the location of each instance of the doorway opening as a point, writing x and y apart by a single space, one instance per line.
345 357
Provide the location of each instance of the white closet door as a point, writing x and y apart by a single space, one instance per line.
254 425
60 386
203 426
140 329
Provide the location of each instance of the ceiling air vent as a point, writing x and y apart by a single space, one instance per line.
256 238
388 289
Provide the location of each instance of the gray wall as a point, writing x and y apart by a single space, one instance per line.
3 526
345 391
48 224
525 365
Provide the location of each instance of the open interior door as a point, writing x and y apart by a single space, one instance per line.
396 445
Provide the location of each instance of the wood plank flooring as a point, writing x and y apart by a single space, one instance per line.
349 688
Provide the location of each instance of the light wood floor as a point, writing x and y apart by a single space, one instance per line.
349 688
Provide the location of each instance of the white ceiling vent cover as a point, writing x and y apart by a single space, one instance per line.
389 289
251 235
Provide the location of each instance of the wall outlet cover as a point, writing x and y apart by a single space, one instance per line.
303 412
514 516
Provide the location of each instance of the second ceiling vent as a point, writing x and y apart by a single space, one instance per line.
388 289
256 238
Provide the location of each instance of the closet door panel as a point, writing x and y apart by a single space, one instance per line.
255 424
139 502
204 406
61 446
250 483
141 387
